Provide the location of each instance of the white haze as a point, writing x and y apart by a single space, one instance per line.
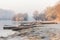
26 5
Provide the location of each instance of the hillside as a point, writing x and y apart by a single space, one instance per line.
6 14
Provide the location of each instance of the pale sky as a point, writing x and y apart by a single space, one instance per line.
26 5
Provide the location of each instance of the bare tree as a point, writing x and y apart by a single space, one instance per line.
51 13
25 17
36 15
20 17
42 17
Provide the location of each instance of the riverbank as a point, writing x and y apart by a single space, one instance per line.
48 32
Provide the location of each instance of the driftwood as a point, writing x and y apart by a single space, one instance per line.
28 25
19 28
46 22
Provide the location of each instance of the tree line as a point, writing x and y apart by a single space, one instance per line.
49 14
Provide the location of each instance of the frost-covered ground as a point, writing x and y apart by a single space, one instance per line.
34 34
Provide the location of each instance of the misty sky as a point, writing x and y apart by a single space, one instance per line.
26 5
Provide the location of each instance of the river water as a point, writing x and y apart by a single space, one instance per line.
4 33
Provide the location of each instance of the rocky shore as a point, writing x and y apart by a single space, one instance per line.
36 33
